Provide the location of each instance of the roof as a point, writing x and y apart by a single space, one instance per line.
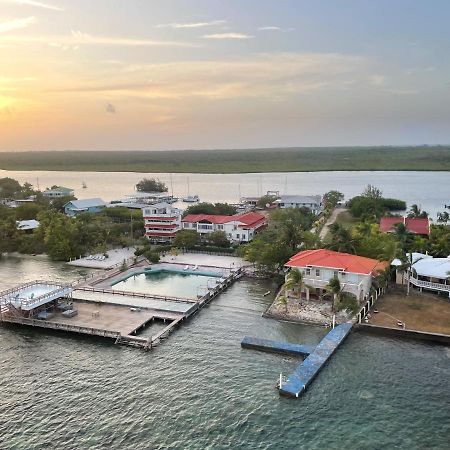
87 203
217 219
249 219
413 225
27 224
59 189
299 199
428 266
337 260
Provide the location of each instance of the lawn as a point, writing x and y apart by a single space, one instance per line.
235 161
418 311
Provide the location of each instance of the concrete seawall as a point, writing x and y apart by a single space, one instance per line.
404 334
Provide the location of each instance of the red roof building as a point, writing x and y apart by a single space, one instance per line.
238 228
420 226
354 272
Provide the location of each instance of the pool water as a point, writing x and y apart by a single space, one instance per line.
167 283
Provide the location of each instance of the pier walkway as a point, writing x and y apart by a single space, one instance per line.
276 347
311 366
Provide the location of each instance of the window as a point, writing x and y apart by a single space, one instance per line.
317 272
220 227
335 274
308 271
237 236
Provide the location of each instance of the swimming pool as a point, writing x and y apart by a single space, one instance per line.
167 283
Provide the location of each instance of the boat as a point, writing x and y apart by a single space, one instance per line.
84 185
191 199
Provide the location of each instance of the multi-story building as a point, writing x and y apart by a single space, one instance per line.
237 228
312 202
161 222
355 273
57 192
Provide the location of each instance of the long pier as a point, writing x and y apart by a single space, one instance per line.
285 348
305 373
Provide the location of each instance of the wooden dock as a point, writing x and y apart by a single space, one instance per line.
119 322
285 348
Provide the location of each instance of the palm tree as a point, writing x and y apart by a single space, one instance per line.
282 300
443 217
334 286
416 212
407 263
294 281
341 239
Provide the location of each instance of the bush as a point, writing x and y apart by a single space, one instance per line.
348 302
212 249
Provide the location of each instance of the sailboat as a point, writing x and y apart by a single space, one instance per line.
84 185
190 198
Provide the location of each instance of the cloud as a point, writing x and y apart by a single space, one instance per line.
33 3
274 28
227 36
192 24
273 77
110 108
79 38
377 80
16 24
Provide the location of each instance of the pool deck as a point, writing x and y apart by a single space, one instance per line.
305 373
285 348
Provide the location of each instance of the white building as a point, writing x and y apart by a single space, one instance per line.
237 228
426 273
58 192
161 222
355 273
312 202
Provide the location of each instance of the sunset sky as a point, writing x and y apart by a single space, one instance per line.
179 74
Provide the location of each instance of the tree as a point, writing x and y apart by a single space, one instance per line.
211 208
443 217
334 286
332 198
186 239
416 213
265 200
407 262
9 187
28 211
341 239
282 300
151 185
294 281
372 192
218 238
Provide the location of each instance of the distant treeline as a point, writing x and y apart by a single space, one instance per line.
435 158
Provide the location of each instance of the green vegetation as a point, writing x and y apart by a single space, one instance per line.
236 161
151 185
211 208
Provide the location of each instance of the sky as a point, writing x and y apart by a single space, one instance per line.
179 74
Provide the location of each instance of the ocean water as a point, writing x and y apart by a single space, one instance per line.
200 390
429 190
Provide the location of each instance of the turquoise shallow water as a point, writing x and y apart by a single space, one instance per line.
167 283
200 390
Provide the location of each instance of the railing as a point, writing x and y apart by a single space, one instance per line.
62 326
429 284
135 294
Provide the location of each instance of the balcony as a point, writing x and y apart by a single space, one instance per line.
430 285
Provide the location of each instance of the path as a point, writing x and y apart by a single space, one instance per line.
330 221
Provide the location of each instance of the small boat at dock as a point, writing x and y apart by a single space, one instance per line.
191 199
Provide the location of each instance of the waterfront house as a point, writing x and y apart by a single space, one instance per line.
58 192
355 273
415 225
237 228
427 273
312 202
91 205
161 222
